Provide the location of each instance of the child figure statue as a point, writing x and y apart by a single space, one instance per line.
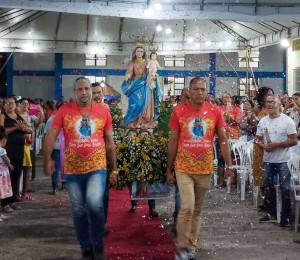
152 67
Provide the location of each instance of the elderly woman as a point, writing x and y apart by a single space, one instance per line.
16 128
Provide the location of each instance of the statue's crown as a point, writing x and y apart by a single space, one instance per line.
153 48
140 40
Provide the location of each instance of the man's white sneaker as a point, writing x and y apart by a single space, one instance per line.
3 216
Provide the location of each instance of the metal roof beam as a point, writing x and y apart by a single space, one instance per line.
271 28
57 27
154 34
11 18
248 27
195 10
275 37
283 26
231 32
87 29
120 44
20 24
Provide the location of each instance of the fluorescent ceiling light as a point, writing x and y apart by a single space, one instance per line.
149 11
168 31
158 28
285 43
190 39
228 43
157 6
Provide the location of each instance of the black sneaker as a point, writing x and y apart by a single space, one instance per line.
297 240
285 223
106 231
133 208
87 255
99 256
192 256
268 218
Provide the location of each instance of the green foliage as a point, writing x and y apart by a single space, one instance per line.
163 120
117 115
141 159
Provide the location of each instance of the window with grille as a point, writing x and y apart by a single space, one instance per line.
247 87
94 79
95 60
174 61
249 59
174 86
297 78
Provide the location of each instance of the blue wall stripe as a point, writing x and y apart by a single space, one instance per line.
58 76
164 73
93 72
258 74
33 73
285 55
212 74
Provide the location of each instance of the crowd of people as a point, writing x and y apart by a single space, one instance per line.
197 122
270 122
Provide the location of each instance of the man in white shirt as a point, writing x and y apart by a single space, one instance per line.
276 133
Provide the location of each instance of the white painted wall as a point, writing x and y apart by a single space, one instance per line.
275 84
293 62
223 61
195 62
33 61
270 60
34 87
226 85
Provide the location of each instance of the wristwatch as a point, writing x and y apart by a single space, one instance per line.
115 172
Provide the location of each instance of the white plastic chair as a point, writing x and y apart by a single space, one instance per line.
294 167
215 175
242 165
278 199
255 189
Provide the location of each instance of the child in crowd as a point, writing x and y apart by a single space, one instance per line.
5 166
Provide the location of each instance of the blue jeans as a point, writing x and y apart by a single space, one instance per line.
55 176
272 170
86 192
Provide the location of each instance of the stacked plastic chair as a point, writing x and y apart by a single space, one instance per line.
215 175
242 164
294 167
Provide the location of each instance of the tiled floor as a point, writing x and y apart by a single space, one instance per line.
43 230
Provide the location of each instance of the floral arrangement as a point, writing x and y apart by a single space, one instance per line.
117 115
141 159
